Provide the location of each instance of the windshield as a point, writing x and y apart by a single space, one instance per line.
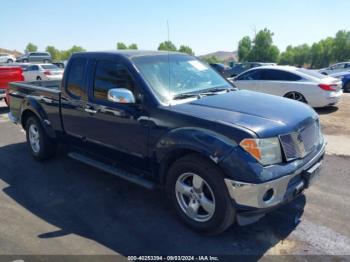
52 67
175 74
311 73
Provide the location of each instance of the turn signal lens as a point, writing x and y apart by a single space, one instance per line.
267 150
251 147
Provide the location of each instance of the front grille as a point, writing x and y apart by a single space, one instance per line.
299 144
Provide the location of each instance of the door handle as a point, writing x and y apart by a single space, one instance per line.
90 111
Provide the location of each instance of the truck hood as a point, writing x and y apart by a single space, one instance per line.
266 115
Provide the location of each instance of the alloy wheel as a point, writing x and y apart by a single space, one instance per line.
195 197
34 138
296 96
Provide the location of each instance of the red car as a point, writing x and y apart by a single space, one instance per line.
9 74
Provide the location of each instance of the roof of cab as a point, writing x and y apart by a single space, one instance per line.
127 53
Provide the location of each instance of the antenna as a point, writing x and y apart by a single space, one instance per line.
169 69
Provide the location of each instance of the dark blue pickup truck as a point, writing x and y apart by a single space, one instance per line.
162 119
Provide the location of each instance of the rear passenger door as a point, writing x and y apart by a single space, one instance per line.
74 98
278 82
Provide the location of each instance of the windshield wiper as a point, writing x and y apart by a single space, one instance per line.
214 91
208 92
185 95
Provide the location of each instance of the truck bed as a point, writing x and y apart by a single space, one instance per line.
43 95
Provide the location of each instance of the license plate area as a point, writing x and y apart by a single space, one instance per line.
310 174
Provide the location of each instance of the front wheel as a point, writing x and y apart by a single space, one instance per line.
347 87
40 144
197 190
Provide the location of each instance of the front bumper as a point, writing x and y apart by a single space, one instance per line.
275 192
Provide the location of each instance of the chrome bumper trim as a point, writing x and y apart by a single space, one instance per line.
247 194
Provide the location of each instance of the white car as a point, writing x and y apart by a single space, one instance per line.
336 68
7 58
300 84
42 72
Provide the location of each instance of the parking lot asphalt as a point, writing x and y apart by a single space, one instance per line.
64 207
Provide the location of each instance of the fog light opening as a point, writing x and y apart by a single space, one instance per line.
268 195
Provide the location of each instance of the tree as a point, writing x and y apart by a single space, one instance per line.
65 55
31 48
167 46
301 55
186 49
121 46
298 55
133 46
316 55
287 57
263 49
211 59
55 53
244 48
341 46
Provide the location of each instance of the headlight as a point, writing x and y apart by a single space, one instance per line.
266 150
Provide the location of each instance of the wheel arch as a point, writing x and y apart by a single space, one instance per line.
290 92
179 143
31 107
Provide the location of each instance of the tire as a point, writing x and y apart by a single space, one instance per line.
38 78
25 60
46 61
9 61
218 213
296 96
347 87
41 146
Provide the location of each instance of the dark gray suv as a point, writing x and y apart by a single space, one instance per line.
42 57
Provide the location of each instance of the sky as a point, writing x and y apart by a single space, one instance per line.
204 25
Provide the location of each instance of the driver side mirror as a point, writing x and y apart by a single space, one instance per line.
121 96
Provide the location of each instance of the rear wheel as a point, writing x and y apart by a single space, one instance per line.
197 190
296 96
9 61
46 61
38 78
39 143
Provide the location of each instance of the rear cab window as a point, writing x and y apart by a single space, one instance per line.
75 85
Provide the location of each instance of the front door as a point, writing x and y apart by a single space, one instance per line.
120 127
31 73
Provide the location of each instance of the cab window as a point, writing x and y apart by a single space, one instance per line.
76 80
109 75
